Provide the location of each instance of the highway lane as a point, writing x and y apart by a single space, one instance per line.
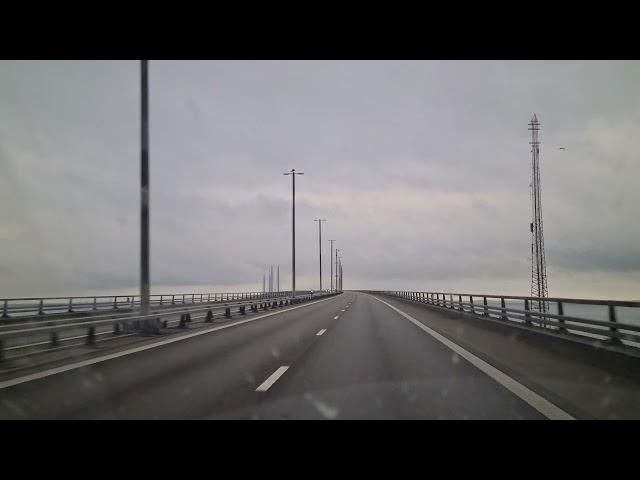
186 379
345 357
374 364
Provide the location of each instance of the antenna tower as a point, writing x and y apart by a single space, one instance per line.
538 263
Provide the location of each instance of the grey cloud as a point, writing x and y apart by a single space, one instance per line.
421 168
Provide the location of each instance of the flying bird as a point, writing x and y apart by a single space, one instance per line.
561 148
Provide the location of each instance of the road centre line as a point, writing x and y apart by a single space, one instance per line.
273 378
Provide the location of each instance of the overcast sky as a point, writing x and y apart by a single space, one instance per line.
421 169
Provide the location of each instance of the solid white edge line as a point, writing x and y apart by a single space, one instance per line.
92 361
321 332
541 404
273 378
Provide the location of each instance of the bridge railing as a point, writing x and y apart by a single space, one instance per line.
41 306
125 322
614 321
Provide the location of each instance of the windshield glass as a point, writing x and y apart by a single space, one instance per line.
319 240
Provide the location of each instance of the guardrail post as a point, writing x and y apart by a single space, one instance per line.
40 307
116 328
502 308
460 303
183 299
227 312
183 320
1 350
473 309
173 299
243 310
561 320
70 305
91 336
193 298
274 304
54 339
209 317
200 298
486 311
115 303
160 299
612 319
264 306
527 317
4 310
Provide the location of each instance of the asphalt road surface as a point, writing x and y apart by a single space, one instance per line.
346 357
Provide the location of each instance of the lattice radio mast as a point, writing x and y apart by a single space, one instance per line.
538 263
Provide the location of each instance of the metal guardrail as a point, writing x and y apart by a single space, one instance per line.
122 323
611 329
41 306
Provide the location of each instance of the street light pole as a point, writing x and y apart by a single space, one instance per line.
337 250
331 263
293 174
320 220
148 325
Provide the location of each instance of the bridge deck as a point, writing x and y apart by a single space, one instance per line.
349 356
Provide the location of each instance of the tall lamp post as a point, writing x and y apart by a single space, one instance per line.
320 220
337 250
147 325
293 174
331 263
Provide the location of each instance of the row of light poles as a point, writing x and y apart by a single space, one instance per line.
150 325
338 283
274 285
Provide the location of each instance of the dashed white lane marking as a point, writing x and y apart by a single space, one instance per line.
104 358
321 332
336 317
342 310
273 378
538 402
